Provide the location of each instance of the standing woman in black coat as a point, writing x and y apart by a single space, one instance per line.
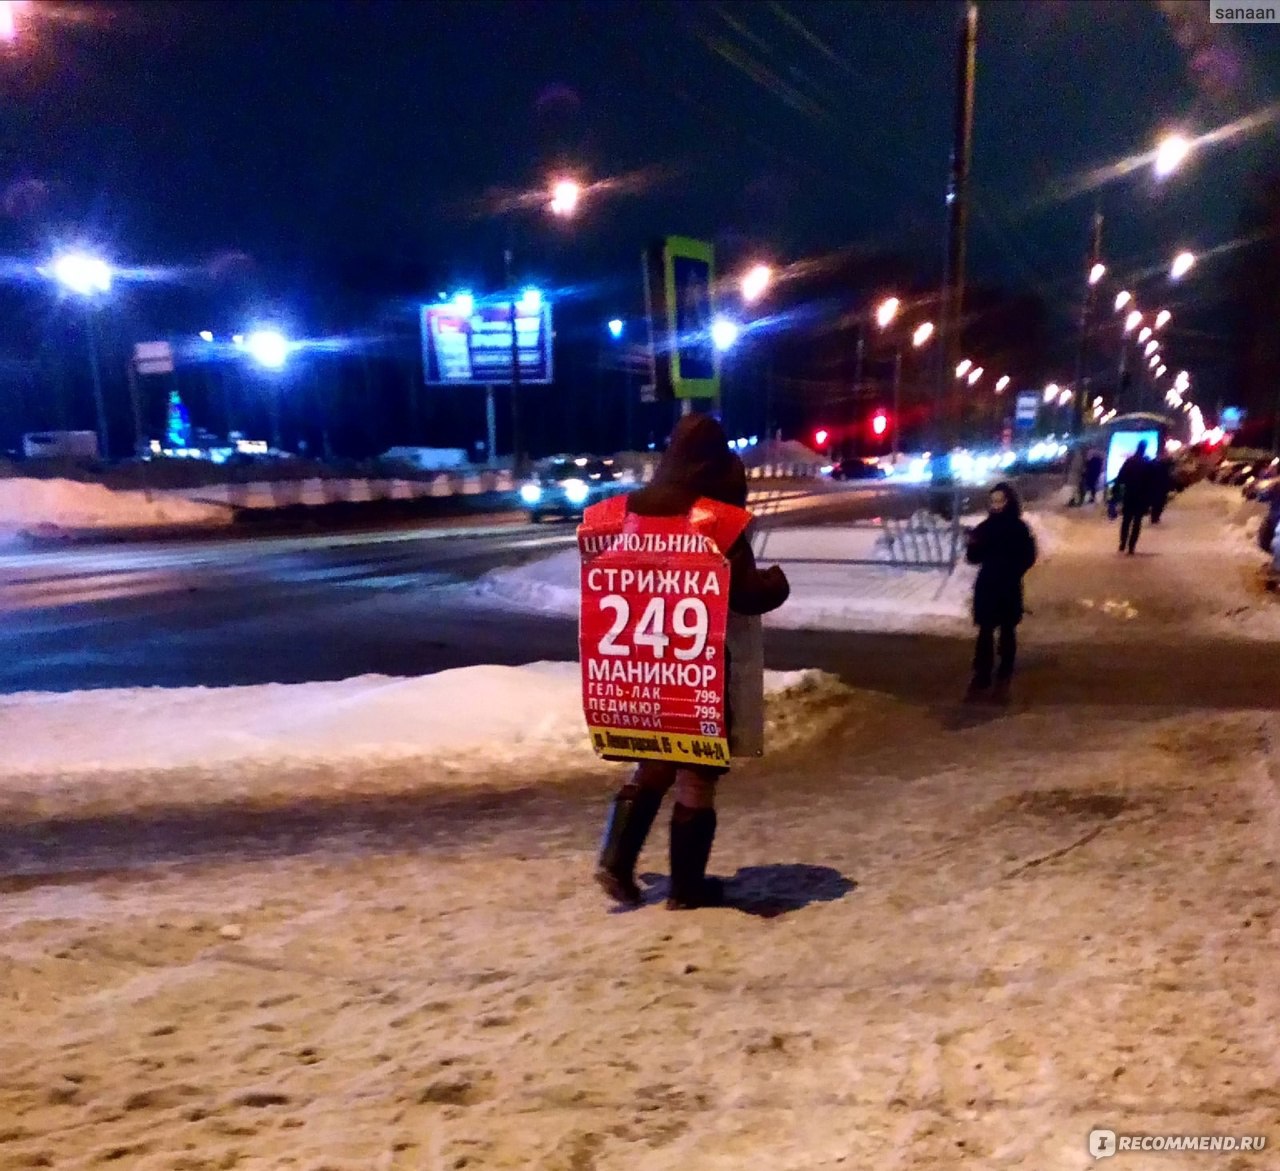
1003 549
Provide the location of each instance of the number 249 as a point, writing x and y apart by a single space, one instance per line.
689 619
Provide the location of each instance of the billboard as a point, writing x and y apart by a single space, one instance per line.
469 344
679 284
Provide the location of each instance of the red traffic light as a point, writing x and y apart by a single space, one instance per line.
820 437
879 423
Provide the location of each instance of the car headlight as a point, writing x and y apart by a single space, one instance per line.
530 493
576 491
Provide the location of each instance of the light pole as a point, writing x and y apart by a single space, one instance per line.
269 348
755 283
88 277
919 338
564 197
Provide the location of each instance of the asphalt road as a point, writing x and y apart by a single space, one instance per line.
301 608
262 609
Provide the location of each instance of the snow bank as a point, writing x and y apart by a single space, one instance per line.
840 580
47 507
119 745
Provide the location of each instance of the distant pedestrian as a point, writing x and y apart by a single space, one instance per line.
1090 474
1161 486
1004 550
1133 484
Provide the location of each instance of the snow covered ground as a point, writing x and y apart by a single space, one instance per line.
93 751
950 947
50 507
840 580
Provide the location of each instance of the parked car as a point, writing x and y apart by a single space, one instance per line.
857 469
565 486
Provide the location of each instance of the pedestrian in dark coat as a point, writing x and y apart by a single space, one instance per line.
696 464
1004 550
1090 477
1133 482
1161 486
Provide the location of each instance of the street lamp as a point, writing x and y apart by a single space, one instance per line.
615 328
268 347
924 331
1122 299
1132 321
724 333
9 10
1151 347
1064 399
1097 272
1051 392
1182 264
756 283
1163 318
886 311
1002 384
565 197
965 366
1144 334
1170 154
974 375
1153 361
88 277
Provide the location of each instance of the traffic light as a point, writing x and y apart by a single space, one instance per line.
879 424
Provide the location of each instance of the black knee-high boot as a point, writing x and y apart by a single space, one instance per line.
692 832
630 819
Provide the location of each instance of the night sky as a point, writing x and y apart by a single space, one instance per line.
311 134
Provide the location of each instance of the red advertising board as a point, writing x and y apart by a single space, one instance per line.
651 635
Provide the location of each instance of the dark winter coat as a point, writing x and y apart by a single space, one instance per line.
1160 483
1134 484
1092 471
1003 549
698 463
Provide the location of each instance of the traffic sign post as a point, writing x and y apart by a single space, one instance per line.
679 299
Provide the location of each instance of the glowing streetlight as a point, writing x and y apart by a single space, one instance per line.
1163 318
615 328
1153 361
1122 299
1132 321
756 283
924 331
565 196
1144 334
964 367
724 333
1151 347
1002 384
1182 264
268 347
1064 399
1170 154
82 274
974 375
206 335
1096 273
9 10
1162 370
1051 392
886 311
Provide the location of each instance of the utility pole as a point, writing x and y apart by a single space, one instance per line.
517 455
951 303
1086 320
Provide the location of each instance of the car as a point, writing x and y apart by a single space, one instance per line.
857 469
564 487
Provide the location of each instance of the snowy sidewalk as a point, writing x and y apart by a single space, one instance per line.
1195 572
954 947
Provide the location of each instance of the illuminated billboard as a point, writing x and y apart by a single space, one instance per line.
465 343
